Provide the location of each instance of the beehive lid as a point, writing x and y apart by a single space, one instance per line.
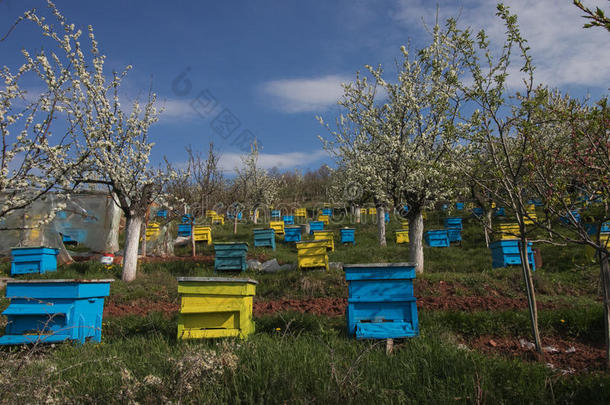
403 264
218 279
63 280
230 243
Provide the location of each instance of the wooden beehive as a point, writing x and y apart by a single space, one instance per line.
300 212
312 254
315 226
348 235
509 230
324 219
381 303
264 238
292 234
202 234
213 307
506 253
277 226
39 260
402 236
437 238
326 235
47 311
230 256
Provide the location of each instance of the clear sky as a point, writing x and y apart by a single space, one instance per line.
228 71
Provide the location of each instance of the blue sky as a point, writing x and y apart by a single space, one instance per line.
230 71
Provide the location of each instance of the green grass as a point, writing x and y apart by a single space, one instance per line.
303 358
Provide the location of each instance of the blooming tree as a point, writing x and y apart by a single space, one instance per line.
398 149
37 152
255 185
113 143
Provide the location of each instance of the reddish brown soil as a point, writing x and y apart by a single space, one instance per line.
198 259
317 306
141 307
570 355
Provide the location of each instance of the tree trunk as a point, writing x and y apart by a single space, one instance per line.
357 214
487 225
416 245
605 282
235 223
381 226
255 220
143 233
529 289
193 244
132 240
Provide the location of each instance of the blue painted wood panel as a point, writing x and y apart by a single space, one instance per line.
29 260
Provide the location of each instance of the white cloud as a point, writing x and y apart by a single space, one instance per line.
305 94
283 161
563 52
177 109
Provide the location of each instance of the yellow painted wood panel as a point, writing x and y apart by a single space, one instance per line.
402 236
328 236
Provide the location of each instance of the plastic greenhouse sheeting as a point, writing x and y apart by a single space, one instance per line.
91 219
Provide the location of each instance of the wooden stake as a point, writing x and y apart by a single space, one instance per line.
389 346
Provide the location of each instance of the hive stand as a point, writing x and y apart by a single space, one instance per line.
381 304
264 238
213 307
47 311
230 256
28 260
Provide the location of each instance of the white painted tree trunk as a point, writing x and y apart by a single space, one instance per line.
530 291
357 213
255 219
132 240
381 226
416 244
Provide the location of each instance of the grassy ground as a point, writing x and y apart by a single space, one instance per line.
304 358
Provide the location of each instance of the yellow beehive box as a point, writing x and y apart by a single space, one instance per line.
402 236
218 219
300 212
211 214
312 254
213 307
202 234
372 211
277 226
509 231
493 204
531 212
604 239
326 235
152 230
324 218
362 211
404 224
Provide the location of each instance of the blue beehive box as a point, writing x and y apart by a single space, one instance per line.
459 206
184 230
292 234
477 211
437 238
49 311
264 237
327 211
288 219
315 226
444 207
592 228
454 235
230 256
27 260
387 216
162 214
380 303
276 214
74 235
506 253
453 222
188 219
231 216
348 235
